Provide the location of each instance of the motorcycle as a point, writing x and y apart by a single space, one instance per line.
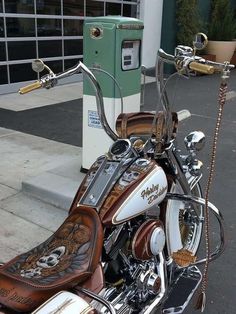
130 242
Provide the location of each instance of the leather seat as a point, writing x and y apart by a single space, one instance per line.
66 259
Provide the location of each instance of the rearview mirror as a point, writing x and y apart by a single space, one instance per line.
38 65
200 41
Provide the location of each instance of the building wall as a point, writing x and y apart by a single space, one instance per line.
48 29
151 14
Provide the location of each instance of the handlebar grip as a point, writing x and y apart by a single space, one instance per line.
30 87
201 68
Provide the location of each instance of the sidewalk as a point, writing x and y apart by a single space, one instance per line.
26 221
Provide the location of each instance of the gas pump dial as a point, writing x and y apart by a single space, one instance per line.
130 54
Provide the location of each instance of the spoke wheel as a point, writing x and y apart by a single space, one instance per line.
183 227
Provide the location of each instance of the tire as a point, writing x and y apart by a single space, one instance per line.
183 230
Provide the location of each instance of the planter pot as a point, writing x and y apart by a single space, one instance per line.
233 60
223 50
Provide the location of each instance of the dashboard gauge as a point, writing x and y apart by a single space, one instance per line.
120 148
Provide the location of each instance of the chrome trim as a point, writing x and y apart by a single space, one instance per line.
190 272
98 298
102 183
111 239
116 83
100 103
195 141
122 154
193 181
163 275
130 26
201 201
97 88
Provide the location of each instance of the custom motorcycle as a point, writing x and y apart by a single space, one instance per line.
130 242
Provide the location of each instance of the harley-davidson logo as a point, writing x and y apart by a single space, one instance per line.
153 192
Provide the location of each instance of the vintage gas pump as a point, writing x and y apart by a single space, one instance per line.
113 45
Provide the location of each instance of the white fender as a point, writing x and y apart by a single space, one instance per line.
65 303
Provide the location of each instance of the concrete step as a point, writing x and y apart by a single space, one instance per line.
57 186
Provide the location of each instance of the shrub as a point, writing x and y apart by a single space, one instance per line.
188 21
222 25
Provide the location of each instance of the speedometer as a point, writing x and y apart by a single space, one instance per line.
120 148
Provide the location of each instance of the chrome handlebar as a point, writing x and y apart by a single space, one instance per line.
184 57
184 60
51 79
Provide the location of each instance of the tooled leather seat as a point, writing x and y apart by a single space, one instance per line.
66 259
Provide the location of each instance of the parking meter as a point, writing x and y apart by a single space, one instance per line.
112 44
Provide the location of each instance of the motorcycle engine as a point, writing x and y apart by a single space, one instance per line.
149 240
131 264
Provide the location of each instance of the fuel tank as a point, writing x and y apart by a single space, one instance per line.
121 191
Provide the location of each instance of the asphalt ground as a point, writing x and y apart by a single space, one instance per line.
63 123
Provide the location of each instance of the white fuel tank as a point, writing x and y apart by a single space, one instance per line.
142 186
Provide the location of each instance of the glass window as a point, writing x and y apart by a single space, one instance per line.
19 6
3 76
50 48
0 5
73 47
2 52
21 72
1 27
72 62
113 9
20 50
51 7
55 66
73 27
49 27
20 27
94 8
73 7
129 10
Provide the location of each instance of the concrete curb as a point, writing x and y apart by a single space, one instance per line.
53 189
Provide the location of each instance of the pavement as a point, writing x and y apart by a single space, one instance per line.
40 149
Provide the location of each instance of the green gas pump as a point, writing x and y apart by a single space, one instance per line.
112 46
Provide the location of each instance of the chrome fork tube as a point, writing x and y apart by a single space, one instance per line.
163 96
175 164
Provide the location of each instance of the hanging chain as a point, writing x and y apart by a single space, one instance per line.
201 302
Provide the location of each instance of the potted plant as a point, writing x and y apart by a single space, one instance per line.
221 30
188 21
